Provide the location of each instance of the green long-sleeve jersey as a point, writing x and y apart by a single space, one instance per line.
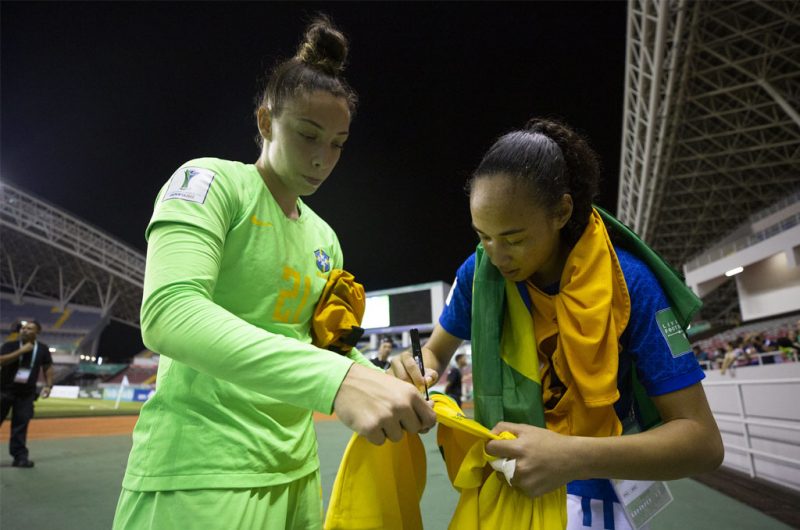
230 289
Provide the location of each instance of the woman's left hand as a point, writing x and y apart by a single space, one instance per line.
544 460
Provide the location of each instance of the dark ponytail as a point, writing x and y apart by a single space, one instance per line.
551 159
317 65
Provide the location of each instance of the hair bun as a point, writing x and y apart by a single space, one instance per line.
549 128
323 47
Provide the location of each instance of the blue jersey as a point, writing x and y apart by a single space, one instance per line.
659 369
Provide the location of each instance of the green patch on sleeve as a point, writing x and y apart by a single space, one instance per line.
673 332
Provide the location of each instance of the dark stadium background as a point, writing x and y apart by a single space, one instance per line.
102 101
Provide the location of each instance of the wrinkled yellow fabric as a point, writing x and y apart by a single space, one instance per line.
379 487
337 317
577 333
487 500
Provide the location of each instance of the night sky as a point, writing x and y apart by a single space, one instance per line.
101 102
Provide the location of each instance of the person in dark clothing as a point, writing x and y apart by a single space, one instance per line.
382 360
790 344
453 388
20 362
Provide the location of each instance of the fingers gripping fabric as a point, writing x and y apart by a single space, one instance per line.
379 487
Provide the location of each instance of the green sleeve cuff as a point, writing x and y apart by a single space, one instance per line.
359 358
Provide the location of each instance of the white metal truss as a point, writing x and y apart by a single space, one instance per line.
711 126
49 253
655 41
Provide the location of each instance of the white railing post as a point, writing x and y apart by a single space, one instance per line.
741 417
746 431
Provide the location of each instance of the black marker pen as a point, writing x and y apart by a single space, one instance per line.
416 351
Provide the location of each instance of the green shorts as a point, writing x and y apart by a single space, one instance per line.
296 505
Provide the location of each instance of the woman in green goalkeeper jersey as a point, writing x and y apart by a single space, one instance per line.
236 263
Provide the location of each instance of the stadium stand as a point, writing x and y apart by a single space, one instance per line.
89 375
52 255
711 125
771 329
65 330
752 344
137 375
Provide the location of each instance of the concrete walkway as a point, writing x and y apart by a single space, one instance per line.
76 483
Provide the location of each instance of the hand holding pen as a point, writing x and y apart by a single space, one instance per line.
416 352
409 366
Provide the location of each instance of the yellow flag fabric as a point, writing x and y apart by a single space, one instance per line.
380 486
337 317
578 342
517 343
487 500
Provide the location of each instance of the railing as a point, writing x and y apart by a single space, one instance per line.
747 421
778 206
788 356
717 253
732 238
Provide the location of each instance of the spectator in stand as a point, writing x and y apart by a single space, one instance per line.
715 357
770 347
748 357
701 355
21 361
789 344
384 350
758 343
454 377
731 354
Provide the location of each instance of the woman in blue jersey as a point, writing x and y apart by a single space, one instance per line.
236 265
596 322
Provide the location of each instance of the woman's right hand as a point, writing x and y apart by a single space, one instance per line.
437 352
405 368
378 406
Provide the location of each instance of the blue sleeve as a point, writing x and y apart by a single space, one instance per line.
456 319
660 369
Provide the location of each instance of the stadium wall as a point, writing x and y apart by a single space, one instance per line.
756 410
769 287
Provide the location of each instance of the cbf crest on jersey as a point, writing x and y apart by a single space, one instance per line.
190 184
323 260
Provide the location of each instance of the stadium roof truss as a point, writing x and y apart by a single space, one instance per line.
50 254
711 125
